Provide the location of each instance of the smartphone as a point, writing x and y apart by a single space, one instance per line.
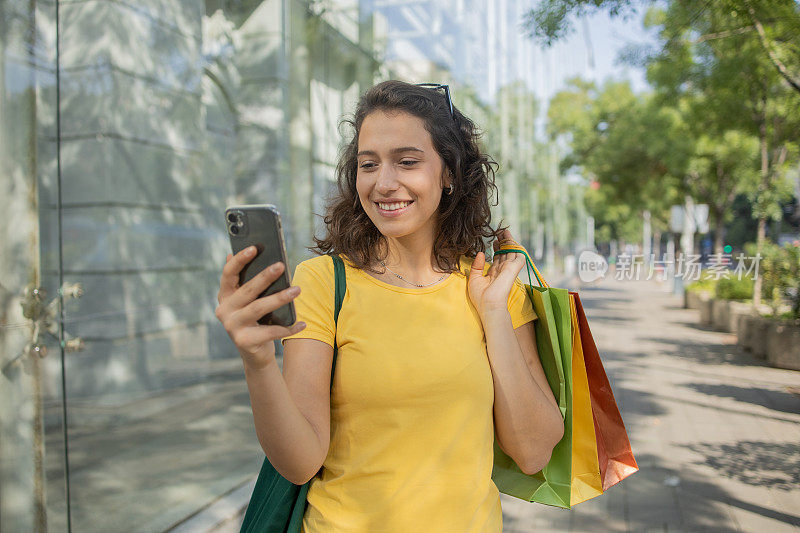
260 226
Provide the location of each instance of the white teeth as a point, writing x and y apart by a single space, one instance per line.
393 207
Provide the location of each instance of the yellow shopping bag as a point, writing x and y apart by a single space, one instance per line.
586 480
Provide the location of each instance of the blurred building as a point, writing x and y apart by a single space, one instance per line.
476 43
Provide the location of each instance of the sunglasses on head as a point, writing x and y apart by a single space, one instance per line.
436 87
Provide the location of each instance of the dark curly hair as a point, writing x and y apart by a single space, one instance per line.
464 216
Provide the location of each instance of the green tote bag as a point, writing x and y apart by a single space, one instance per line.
277 505
551 485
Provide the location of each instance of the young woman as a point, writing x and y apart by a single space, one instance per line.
437 354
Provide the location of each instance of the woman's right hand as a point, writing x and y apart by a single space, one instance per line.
240 309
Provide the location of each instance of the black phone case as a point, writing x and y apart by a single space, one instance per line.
260 226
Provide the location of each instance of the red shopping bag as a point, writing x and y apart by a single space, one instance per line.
613 447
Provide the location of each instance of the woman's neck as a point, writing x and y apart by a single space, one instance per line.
413 262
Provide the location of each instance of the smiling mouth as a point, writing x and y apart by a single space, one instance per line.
407 204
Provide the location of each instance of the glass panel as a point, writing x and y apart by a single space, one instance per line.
158 414
32 451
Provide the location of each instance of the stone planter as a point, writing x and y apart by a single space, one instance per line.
739 309
744 331
783 344
751 333
726 314
691 299
705 305
761 328
719 313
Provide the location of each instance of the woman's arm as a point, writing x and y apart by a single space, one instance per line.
291 426
291 411
527 419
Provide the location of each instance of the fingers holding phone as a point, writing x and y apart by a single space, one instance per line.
255 295
240 309
229 281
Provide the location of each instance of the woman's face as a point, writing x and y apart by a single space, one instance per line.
397 162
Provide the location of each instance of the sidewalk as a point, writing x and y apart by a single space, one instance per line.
716 433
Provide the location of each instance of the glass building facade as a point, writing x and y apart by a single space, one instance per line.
126 128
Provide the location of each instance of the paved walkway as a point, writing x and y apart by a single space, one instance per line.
716 433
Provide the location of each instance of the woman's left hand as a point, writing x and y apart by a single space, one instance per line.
490 293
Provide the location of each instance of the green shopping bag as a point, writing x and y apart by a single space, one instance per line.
551 485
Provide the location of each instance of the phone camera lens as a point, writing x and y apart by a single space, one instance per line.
233 229
231 217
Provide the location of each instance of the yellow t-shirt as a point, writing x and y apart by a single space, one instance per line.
412 428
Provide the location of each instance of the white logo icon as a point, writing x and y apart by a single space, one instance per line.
591 266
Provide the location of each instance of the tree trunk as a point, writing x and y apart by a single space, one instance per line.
657 245
719 233
762 214
760 235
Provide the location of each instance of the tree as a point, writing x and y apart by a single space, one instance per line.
731 85
636 150
614 220
721 168
775 24
738 64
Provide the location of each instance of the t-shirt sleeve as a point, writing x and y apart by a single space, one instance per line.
519 305
314 305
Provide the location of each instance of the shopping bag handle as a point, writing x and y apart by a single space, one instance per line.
516 248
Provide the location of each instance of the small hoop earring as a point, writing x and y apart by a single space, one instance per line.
451 189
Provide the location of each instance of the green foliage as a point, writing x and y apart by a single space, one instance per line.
780 268
742 228
734 288
722 166
551 19
704 283
630 146
722 123
770 26
613 220
715 62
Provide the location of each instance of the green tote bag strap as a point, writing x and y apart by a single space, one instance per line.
278 505
340 286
